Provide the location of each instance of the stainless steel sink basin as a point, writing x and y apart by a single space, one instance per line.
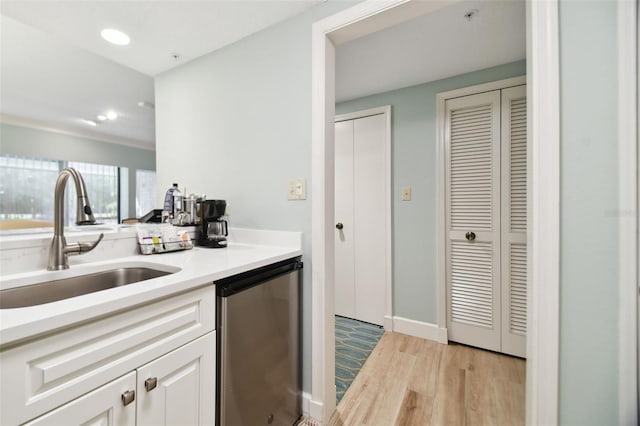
51 291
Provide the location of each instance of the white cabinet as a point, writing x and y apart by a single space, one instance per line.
44 374
102 407
176 389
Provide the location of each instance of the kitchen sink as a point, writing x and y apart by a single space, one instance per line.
64 288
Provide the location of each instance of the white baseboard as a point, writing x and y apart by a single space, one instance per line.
316 409
420 329
306 403
388 323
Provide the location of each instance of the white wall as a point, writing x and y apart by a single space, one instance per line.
236 124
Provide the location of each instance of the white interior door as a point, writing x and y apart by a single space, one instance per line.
472 140
345 290
360 264
514 220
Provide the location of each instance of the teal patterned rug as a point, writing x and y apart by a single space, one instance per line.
354 342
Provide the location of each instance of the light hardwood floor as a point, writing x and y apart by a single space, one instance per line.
410 381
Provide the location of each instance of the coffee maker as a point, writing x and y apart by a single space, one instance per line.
213 229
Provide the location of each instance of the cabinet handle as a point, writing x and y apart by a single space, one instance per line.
128 397
151 383
470 236
339 225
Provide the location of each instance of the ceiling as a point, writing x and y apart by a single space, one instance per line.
158 29
56 70
432 47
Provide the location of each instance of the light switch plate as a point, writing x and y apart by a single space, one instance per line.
406 194
297 189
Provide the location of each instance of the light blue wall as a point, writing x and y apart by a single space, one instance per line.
35 143
414 164
589 214
236 124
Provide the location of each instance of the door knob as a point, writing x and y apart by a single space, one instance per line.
339 225
470 236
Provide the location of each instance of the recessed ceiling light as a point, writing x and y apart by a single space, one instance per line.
89 122
112 115
102 117
115 37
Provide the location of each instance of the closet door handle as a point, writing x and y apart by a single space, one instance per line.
339 225
470 236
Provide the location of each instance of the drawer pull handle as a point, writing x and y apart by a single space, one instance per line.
128 397
151 383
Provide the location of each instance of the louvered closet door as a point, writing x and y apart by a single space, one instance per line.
472 137
514 220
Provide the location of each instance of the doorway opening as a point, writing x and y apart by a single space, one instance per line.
362 275
367 18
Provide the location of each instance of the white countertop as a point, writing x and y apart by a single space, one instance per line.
247 250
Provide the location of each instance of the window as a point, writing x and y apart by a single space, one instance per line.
145 192
27 186
102 186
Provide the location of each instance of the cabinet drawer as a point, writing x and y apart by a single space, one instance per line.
102 406
44 374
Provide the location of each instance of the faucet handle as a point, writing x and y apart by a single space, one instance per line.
85 247
79 248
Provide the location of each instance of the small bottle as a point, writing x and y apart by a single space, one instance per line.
177 201
168 203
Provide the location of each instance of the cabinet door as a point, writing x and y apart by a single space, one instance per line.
184 388
101 407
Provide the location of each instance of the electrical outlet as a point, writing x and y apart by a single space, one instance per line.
406 194
297 189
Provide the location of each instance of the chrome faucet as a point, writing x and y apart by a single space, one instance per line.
59 249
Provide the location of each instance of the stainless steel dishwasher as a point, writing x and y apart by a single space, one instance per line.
258 333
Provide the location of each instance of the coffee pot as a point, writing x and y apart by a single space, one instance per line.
213 229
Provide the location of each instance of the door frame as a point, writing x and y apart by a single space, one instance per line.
543 181
628 18
388 276
441 180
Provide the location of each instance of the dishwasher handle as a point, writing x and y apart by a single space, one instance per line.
232 285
